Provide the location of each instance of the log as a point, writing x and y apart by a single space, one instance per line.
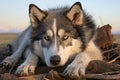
104 36
53 75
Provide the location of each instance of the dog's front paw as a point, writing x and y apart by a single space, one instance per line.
7 62
25 70
75 71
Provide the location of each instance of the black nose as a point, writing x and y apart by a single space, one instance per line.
55 60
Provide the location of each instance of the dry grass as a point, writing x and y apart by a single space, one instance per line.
117 37
6 38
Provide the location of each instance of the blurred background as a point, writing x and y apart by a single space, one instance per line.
14 16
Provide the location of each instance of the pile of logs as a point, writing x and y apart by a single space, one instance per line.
105 40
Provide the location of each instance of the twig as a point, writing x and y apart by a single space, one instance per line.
113 60
111 73
106 51
95 76
102 76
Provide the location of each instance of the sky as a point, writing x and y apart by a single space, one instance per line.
14 15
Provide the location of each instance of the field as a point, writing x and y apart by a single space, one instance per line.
6 38
117 37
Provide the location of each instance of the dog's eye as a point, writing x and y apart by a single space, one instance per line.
65 37
47 38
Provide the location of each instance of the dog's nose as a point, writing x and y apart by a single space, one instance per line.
55 60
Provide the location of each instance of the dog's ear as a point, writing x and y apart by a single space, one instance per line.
75 14
36 15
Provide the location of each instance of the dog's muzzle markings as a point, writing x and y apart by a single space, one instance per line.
55 59
56 36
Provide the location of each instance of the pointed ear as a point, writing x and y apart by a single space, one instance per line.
75 14
36 15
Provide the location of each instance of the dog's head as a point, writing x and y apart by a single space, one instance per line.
58 31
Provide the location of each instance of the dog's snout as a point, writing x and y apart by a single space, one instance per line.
55 60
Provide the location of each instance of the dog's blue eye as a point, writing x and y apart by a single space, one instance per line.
65 37
47 38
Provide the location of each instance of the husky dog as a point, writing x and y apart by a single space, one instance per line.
56 36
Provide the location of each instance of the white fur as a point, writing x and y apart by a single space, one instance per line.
64 53
50 33
81 61
55 32
61 32
28 67
78 65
